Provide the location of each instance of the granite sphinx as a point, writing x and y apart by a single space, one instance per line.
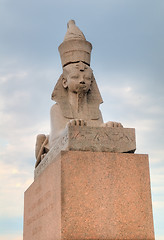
88 184
76 94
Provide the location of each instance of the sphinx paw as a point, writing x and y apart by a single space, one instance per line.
112 124
77 122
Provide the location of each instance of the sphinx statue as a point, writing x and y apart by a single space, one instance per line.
88 184
76 92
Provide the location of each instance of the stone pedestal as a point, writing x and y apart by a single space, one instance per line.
90 195
94 139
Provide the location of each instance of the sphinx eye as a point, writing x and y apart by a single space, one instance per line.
74 76
87 78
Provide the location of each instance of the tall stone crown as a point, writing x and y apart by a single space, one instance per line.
74 48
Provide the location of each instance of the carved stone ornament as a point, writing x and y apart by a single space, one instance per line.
77 100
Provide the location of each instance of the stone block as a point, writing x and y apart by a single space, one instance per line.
90 195
100 139
95 139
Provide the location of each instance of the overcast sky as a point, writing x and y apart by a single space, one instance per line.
128 64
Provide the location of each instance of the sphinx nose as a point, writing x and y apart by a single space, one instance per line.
82 82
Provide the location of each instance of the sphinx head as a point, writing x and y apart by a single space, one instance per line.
77 77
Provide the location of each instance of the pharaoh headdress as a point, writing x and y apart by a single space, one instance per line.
74 49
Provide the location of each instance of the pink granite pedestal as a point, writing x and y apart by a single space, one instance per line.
90 195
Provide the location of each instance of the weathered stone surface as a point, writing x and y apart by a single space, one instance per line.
101 139
86 187
42 206
96 139
91 195
74 48
76 92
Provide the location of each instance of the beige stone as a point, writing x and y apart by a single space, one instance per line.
74 48
88 184
76 92
91 195
77 97
94 139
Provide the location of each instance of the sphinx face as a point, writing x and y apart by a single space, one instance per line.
77 77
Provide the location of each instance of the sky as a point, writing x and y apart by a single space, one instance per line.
128 64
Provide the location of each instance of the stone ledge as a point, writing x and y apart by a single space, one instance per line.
94 139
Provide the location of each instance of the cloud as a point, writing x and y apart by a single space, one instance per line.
124 97
11 236
159 237
11 76
18 129
127 60
24 113
15 177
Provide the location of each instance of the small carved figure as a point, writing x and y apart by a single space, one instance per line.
76 93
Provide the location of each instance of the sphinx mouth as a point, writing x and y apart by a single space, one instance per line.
82 88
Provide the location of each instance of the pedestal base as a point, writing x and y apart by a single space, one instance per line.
90 195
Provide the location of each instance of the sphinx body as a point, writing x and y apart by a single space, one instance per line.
76 93
78 99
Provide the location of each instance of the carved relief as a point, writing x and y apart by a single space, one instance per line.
76 92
